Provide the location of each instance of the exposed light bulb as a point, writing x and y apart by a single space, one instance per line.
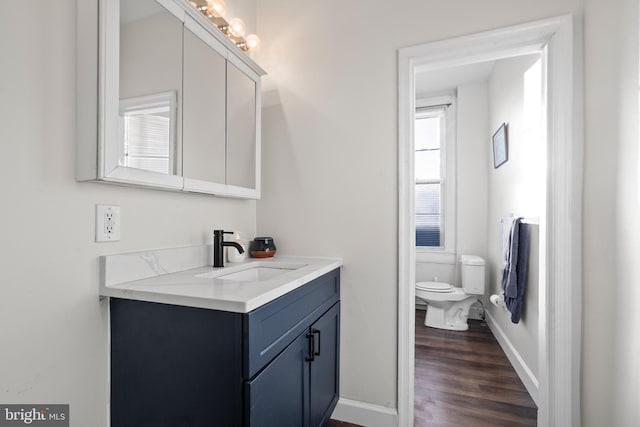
216 8
236 27
253 42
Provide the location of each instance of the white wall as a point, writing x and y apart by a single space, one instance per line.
611 210
517 187
472 166
602 56
627 371
52 325
330 144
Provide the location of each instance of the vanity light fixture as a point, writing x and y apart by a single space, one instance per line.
216 8
236 27
214 11
253 42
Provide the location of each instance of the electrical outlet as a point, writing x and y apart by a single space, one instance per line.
107 223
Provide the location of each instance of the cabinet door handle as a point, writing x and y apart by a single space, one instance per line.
312 351
317 331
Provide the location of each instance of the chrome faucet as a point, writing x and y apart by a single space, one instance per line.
218 247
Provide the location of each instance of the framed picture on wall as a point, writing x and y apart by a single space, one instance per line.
500 146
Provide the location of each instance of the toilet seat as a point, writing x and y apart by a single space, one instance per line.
456 294
439 287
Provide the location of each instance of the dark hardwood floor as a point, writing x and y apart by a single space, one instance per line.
464 379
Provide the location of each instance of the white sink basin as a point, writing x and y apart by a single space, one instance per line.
253 272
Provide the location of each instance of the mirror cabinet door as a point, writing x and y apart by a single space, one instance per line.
241 128
150 86
204 132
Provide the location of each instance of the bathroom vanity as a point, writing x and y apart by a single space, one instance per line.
264 354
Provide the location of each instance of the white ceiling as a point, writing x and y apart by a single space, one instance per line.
446 79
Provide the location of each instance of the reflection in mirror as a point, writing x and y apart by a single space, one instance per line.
150 86
241 128
148 128
204 111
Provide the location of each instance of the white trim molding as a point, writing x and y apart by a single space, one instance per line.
522 369
560 296
365 414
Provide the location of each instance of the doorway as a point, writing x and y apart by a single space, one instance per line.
559 293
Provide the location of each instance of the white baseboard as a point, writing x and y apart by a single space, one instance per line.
365 414
526 376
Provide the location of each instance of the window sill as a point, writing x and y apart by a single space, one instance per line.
433 257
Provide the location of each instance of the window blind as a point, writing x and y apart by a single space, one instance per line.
146 142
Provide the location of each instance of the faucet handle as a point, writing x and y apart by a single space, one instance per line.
219 233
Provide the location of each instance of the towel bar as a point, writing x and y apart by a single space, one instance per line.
525 219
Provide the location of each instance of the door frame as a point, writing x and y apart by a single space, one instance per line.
560 298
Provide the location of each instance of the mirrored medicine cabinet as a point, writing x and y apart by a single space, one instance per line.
165 100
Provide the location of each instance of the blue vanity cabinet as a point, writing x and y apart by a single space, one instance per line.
325 367
183 366
300 386
174 366
278 396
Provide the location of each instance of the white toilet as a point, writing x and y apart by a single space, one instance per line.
448 306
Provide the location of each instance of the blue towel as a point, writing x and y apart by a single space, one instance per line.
515 270
509 274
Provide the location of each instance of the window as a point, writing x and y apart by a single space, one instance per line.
148 140
435 175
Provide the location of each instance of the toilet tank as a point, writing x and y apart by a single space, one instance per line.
472 268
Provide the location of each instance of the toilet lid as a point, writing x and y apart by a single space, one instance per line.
434 287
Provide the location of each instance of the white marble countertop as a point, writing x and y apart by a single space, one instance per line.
157 278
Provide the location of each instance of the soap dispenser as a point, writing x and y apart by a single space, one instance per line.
235 256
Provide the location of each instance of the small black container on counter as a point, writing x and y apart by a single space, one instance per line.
262 247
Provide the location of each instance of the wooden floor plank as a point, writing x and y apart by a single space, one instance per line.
464 379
